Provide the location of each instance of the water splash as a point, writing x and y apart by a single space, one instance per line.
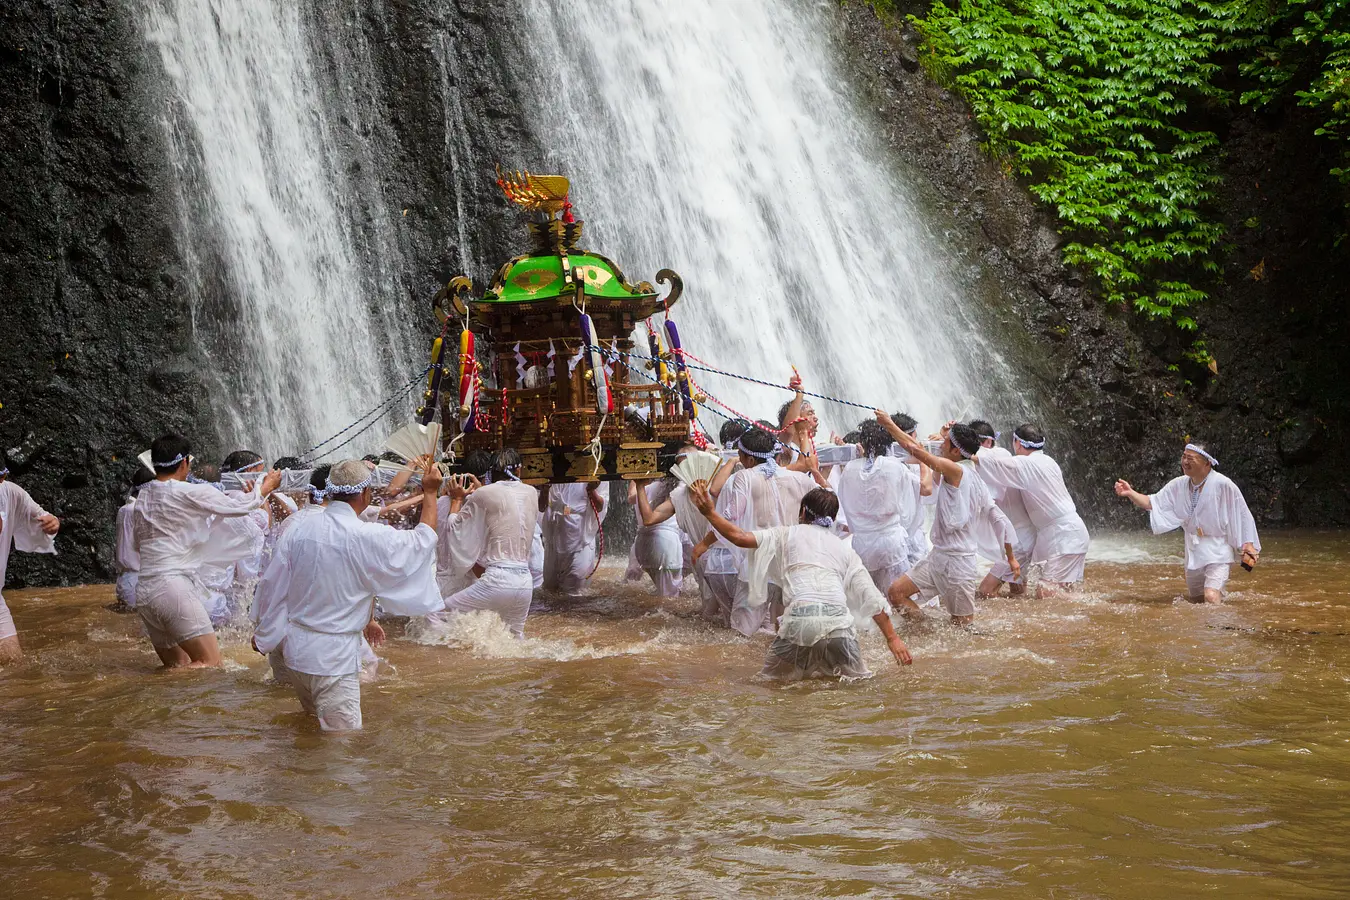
720 139
485 634
285 288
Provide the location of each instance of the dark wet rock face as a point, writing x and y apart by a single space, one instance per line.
1122 396
99 352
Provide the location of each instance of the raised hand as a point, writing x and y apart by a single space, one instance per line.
271 481
49 524
432 479
703 500
1123 488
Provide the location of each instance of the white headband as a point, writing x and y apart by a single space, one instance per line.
347 488
171 464
1200 450
1030 445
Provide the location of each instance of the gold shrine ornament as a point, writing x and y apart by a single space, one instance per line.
546 193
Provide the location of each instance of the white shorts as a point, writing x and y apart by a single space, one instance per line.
953 578
7 629
721 588
170 607
334 699
1022 553
568 573
1067 568
504 590
883 577
1213 576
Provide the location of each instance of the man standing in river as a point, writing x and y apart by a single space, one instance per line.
1210 509
29 528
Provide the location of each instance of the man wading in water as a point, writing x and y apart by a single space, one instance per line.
825 590
1210 509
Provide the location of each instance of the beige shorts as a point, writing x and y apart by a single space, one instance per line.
1213 577
171 608
952 578
1067 568
334 699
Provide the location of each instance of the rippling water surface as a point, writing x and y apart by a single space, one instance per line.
1118 745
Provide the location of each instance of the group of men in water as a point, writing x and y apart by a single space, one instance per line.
775 542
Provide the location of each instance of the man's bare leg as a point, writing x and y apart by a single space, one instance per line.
1213 595
1047 590
1016 589
899 594
173 657
204 651
10 651
989 587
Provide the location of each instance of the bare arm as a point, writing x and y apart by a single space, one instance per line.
400 479
431 486
949 470
720 479
925 481
897 646
1123 489
651 516
704 501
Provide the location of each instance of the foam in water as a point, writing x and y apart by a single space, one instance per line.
718 138
283 289
485 634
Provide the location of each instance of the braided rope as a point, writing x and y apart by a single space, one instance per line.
377 413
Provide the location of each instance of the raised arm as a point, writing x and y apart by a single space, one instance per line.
648 515
720 479
949 470
698 491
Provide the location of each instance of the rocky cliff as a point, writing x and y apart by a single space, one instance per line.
101 350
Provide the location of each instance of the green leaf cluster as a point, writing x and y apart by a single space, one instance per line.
1093 103
1300 48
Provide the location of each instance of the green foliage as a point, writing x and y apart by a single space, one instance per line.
1301 48
1088 100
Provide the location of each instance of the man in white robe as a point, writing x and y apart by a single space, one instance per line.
879 494
1061 543
178 527
1010 501
573 514
826 591
317 596
679 506
657 549
127 560
493 527
763 494
965 514
28 528
1210 509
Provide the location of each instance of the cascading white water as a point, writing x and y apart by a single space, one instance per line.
287 300
717 137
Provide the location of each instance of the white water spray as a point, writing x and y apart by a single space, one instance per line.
718 138
292 306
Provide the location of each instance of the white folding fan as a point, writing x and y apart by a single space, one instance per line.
145 460
414 440
696 466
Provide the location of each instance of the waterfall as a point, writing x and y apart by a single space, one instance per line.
296 309
720 139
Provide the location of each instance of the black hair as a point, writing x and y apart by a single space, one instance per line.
875 439
905 422
731 431
504 464
169 447
372 458
1029 433
757 439
289 462
983 430
240 459
207 472
820 503
964 438
853 437
318 477
390 456
782 411
139 477
477 462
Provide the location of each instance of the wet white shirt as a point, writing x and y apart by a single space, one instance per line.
965 511
825 586
753 501
319 590
495 526
570 524
19 528
124 545
1059 529
174 524
1216 524
880 497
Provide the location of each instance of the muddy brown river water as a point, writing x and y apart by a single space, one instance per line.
1119 745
